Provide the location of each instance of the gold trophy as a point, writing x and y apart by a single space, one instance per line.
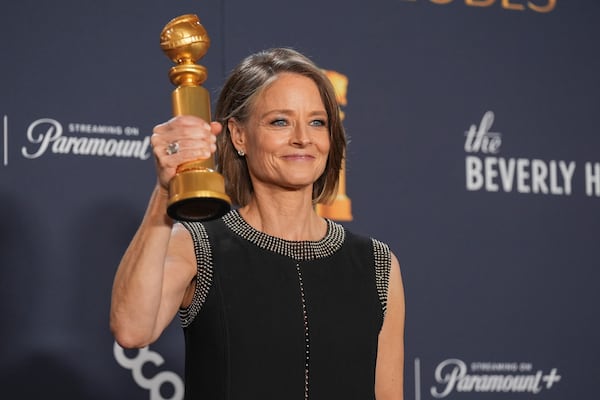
341 207
197 191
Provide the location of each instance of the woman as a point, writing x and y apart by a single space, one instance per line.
275 301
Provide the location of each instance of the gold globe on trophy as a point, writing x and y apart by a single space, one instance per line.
340 209
197 191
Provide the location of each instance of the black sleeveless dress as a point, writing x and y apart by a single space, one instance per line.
277 319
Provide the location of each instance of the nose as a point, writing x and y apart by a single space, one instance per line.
300 136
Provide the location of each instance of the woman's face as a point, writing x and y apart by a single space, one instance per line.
286 138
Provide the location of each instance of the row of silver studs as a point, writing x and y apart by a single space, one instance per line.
306 333
204 276
383 263
304 250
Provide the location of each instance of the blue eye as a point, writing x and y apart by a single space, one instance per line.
279 122
318 122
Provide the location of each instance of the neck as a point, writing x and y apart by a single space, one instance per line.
287 216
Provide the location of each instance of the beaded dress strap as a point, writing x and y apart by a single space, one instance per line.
204 275
383 265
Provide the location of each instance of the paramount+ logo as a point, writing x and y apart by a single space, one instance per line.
540 6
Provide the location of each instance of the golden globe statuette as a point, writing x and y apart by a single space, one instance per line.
197 191
340 209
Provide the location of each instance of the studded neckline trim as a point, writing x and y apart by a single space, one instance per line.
304 250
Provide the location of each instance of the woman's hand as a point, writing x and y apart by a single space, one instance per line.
182 139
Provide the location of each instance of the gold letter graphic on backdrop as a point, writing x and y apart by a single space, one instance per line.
340 208
542 9
197 191
479 3
511 6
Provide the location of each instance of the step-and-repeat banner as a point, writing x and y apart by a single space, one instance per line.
474 152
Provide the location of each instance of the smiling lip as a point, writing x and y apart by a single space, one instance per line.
299 157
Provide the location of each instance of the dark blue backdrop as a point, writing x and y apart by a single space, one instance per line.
498 239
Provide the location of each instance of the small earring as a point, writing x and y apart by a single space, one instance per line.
241 153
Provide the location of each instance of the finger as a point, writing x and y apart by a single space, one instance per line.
194 137
216 128
188 121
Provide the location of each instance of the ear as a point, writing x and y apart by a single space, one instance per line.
237 134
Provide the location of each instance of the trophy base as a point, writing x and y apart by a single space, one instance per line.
198 209
197 195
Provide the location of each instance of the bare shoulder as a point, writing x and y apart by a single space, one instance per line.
180 232
180 253
394 319
396 288
181 236
389 374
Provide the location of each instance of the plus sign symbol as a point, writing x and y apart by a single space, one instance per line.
551 378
